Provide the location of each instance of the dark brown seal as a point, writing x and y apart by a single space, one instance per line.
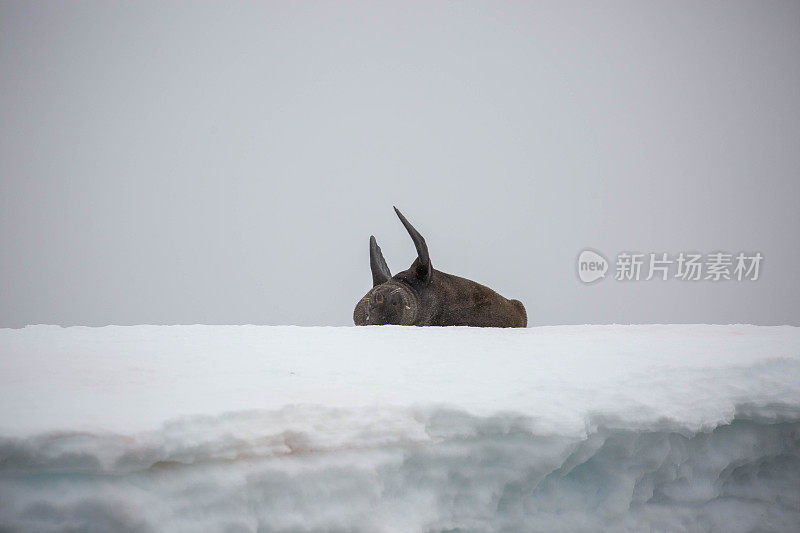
424 296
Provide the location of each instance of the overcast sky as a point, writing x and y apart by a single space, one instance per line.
226 162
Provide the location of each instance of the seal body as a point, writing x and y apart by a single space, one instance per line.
424 296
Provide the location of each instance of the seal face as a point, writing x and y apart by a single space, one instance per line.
392 302
424 296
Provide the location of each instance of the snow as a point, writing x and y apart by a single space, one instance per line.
256 428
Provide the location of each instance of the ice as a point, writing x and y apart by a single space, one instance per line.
255 428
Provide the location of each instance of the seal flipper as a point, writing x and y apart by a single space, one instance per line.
380 270
523 313
424 268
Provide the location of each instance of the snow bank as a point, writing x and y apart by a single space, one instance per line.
246 428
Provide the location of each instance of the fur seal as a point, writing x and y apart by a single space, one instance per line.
424 296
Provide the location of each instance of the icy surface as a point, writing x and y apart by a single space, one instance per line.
249 428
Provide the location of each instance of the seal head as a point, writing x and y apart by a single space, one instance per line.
392 302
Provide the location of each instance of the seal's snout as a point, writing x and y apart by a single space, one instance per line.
382 305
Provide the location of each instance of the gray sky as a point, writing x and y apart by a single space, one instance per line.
194 162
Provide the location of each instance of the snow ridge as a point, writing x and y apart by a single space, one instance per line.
575 428
452 471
